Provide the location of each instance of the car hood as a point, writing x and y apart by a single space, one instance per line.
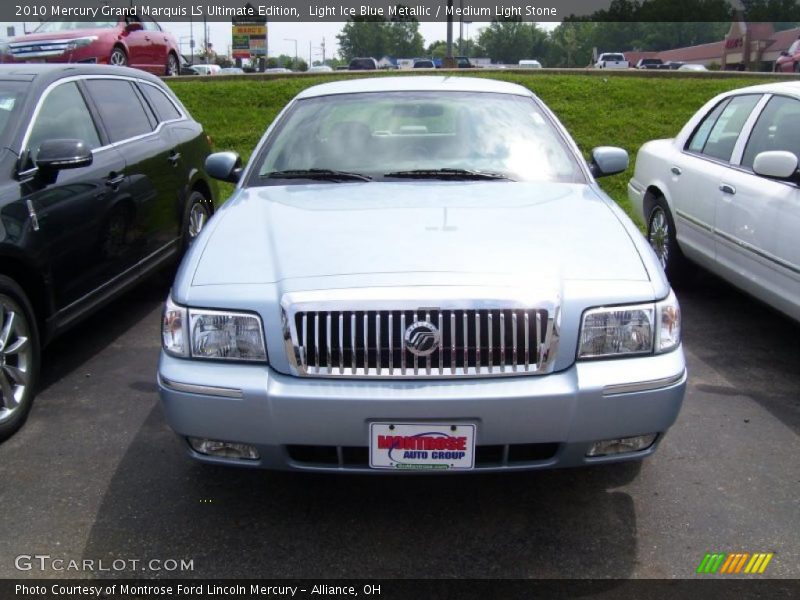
524 230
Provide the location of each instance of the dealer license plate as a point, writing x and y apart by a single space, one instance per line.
422 446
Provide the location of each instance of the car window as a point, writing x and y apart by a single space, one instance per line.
376 134
160 103
150 25
12 95
717 134
120 108
777 128
63 115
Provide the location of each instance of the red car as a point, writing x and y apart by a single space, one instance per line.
133 41
789 61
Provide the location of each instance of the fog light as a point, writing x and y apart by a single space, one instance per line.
622 445
223 449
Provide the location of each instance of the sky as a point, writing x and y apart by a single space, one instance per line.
281 34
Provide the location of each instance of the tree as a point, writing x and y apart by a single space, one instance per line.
571 44
403 38
363 36
510 40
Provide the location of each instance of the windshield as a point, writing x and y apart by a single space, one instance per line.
12 95
56 26
382 134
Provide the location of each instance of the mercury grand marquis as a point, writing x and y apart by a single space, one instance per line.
420 274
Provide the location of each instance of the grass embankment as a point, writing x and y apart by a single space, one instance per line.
597 111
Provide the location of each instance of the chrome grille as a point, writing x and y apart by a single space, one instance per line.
473 342
39 49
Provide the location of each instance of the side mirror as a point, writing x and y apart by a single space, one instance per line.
777 163
55 155
134 26
608 160
225 166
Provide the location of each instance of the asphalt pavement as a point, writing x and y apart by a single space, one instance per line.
97 475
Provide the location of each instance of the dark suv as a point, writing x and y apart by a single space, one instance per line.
363 64
101 182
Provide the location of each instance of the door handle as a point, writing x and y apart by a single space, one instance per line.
727 188
676 170
147 37
114 179
174 157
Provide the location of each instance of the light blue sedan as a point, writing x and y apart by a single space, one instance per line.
420 274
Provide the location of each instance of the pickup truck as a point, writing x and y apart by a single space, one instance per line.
611 60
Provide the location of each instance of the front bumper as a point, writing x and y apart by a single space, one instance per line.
544 421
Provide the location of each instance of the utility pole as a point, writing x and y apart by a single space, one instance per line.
461 28
295 48
323 51
449 63
205 33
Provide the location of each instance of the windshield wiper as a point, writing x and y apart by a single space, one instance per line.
446 174
324 174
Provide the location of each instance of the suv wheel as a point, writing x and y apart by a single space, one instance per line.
19 357
195 217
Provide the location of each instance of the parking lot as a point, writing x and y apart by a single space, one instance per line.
97 474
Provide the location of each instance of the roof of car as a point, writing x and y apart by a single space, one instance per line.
414 84
47 72
782 87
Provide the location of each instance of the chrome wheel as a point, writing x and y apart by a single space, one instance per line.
16 358
118 58
658 235
197 220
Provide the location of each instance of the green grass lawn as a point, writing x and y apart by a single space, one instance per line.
597 111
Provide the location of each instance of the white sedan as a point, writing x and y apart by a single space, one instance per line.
724 193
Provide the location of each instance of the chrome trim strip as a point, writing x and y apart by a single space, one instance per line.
758 252
465 337
391 343
378 343
117 278
643 386
694 221
341 343
74 78
205 390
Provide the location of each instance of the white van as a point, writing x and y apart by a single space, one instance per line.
530 64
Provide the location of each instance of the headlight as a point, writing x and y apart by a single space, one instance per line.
225 335
80 42
212 334
174 332
631 330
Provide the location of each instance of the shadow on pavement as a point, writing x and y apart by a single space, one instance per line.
91 336
243 523
753 346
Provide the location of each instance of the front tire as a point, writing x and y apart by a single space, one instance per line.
661 235
173 68
19 357
118 57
